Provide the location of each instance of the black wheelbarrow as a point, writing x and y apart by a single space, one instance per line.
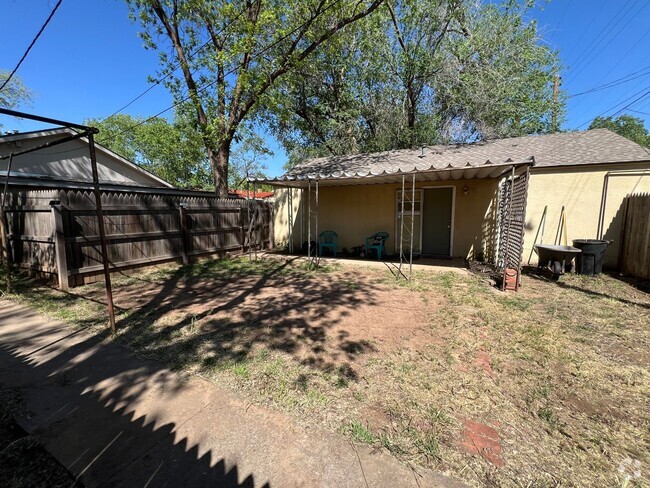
555 258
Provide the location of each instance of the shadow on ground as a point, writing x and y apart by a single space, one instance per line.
210 315
545 276
89 428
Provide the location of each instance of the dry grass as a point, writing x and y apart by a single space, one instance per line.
562 369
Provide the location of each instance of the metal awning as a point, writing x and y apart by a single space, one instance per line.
430 174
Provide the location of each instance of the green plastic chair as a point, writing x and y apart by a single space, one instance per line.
327 240
376 242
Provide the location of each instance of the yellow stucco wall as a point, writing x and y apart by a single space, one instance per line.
579 190
356 212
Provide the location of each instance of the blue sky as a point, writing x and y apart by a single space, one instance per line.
89 61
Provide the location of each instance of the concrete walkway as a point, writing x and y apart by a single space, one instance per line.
116 420
453 265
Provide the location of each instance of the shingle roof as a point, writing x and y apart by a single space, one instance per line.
561 149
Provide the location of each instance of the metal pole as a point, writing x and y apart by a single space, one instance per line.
248 209
401 231
302 217
412 227
102 232
317 260
309 221
5 226
256 212
47 120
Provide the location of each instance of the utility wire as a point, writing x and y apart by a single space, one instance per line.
31 45
619 81
178 64
621 58
601 37
632 103
641 94
639 112
232 70
595 55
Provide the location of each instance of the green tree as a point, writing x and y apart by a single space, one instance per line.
251 46
248 161
625 125
171 151
15 93
421 72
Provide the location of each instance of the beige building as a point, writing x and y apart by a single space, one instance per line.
70 161
459 190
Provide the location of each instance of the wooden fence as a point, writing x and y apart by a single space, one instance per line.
56 231
635 238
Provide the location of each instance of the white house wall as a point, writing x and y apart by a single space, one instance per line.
71 161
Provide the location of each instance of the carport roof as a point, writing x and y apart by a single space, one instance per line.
485 159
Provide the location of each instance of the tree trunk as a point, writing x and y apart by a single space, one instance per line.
220 168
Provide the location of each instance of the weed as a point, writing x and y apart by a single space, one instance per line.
360 432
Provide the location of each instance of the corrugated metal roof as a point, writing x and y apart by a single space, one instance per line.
472 160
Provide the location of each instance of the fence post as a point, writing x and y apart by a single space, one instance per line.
182 214
58 232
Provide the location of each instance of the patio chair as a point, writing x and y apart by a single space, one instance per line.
327 240
376 242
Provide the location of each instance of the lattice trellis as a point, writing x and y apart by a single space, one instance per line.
513 196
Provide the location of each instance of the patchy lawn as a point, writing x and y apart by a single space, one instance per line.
546 387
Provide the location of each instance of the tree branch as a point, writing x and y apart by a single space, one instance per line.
289 63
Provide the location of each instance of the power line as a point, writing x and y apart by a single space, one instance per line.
621 58
639 112
232 70
604 33
31 44
643 93
178 64
611 84
632 103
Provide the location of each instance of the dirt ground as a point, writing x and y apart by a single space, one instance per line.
546 387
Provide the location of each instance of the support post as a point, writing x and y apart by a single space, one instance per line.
4 228
302 217
58 229
317 260
257 228
182 215
412 226
102 232
308 220
250 222
401 231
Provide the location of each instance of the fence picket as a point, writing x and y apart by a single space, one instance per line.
142 229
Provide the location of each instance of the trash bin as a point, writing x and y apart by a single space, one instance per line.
590 260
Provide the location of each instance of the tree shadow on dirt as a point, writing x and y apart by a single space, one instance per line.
219 312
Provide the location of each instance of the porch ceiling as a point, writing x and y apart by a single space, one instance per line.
467 172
